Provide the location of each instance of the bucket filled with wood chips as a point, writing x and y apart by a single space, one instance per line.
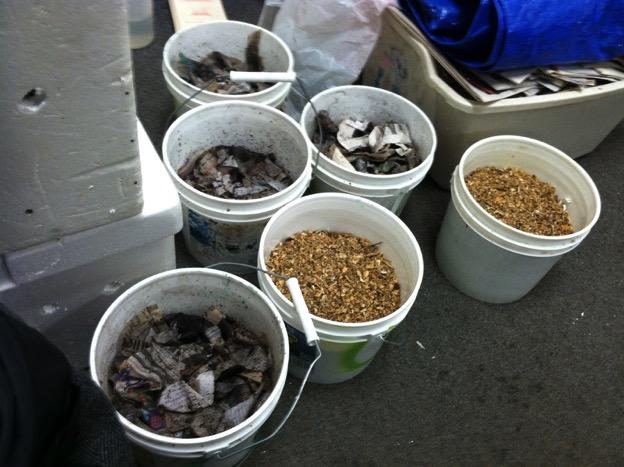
359 268
368 142
194 361
517 206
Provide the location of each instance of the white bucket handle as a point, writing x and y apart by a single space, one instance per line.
311 338
263 76
382 337
222 455
302 310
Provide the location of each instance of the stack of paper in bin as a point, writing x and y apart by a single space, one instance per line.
494 86
546 80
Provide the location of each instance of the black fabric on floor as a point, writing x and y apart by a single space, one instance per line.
537 382
38 398
50 414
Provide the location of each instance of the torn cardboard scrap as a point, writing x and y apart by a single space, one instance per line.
362 146
234 172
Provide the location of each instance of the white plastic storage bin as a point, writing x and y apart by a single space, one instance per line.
573 121
63 287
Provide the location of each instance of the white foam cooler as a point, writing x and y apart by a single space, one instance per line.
69 144
63 287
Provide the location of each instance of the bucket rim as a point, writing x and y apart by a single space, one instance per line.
336 338
210 107
368 190
219 437
348 334
424 166
178 96
576 235
383 321
178 79
233 218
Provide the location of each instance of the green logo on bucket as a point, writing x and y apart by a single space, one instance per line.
349 360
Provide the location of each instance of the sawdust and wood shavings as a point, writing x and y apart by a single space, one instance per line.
362 146
212 72
520 199
342 277
234 172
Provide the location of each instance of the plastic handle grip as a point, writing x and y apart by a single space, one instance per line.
302 310
263 76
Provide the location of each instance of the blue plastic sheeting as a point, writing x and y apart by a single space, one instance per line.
507 34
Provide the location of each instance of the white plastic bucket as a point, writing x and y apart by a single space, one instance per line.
379 106
230 38
191 291
217 229
490 260
347 348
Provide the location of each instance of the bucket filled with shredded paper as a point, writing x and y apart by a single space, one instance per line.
193 360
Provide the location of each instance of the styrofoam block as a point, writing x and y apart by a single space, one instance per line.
48 284
68 127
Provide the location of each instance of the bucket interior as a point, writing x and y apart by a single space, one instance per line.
230 38
192 292
253 127
375 105
573 185
358 217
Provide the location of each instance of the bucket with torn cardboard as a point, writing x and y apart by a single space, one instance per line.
368 142
197 360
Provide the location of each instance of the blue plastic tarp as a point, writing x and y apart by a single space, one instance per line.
507 34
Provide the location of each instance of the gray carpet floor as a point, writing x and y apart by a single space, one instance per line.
536 382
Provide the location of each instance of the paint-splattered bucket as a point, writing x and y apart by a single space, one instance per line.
218 229
348 348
